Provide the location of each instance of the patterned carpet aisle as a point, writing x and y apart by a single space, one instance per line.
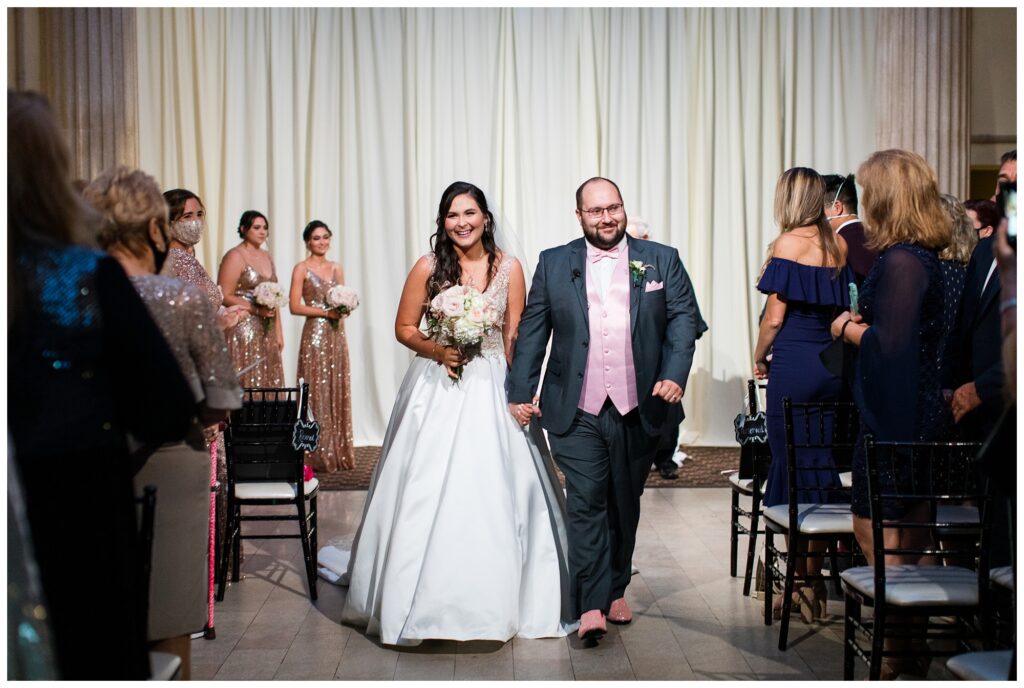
703 468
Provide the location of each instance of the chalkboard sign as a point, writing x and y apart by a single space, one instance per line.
306 435
751 428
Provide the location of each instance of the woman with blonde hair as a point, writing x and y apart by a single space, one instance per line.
898 331
135 235
806 279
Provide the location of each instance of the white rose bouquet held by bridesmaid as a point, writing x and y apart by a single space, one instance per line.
460 316
343 300
270 295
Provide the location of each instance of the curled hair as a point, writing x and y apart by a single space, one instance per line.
447 270
248 217
312 227
842 189
901 201
127 199
800 202
963 238
176 200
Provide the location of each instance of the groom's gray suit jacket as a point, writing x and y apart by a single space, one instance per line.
665 323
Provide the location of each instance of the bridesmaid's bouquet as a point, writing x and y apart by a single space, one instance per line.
460 316
270 295
341 299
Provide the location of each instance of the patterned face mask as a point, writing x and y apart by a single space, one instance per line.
188 231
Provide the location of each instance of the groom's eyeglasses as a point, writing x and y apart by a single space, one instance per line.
595 213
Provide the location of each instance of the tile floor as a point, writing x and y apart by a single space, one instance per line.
691 621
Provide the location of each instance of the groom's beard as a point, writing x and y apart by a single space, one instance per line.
595 239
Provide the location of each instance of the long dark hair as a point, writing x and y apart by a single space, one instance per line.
248 217
447 270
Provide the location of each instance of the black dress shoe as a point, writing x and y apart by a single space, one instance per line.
669 473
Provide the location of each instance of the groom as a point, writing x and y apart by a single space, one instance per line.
623 321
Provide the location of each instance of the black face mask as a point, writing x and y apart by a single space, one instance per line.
158 256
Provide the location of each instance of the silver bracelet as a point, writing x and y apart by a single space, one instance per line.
1007 304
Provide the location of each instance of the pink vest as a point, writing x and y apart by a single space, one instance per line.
609 370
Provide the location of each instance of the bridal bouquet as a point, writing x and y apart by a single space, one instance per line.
460 316
341 299
270 295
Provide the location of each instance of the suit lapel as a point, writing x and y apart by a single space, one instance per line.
988 294
578 277
634 251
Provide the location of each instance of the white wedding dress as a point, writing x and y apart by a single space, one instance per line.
463 534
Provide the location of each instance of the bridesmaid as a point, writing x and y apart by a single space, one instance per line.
323 353
255 348
188 220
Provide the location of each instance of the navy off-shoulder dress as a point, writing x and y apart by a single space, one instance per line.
813 295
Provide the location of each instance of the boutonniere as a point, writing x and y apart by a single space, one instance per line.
638 269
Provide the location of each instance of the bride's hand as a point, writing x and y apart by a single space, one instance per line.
523 412
450 357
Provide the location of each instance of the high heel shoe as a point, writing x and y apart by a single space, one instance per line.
794 607
813 602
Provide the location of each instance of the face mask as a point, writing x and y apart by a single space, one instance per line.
188 231
158 256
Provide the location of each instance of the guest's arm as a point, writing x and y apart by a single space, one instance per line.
771 323
231 267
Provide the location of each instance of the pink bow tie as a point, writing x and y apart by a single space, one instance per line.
597 254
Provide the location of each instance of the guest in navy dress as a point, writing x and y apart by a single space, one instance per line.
806 280
899 331
953 259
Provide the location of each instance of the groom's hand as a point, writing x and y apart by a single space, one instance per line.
668 390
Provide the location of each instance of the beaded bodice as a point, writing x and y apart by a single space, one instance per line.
493 343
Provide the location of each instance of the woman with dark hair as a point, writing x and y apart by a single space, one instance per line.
134 212
463 532
806 279
87 366
257 340
323 351
187 216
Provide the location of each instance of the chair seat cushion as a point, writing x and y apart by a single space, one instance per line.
814 519
957 513
1002 576
264 490
909 585
981 666
744 485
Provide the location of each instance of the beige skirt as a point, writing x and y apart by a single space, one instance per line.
181 537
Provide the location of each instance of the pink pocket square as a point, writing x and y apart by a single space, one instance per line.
654 286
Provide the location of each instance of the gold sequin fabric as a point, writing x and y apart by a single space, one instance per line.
250 341
323 363
184 266
187 322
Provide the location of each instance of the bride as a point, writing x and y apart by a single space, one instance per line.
463 535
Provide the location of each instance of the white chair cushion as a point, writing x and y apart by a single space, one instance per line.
981 666
846 479
957 513
814 519
909 585
164 666
1003 576
258 490
743 484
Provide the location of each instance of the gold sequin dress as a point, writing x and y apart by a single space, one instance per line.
323 363
181 471
183 265
250 340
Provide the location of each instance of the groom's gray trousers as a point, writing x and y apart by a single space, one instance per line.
605 459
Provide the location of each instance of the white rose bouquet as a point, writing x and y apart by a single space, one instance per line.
460 317
270 295
341 299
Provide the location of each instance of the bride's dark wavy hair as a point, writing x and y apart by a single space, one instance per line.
447 271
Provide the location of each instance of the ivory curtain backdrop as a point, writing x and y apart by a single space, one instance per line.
361 117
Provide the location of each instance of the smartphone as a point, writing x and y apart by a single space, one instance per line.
1008 206
853 298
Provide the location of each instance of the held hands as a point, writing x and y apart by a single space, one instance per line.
524 412
668 390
